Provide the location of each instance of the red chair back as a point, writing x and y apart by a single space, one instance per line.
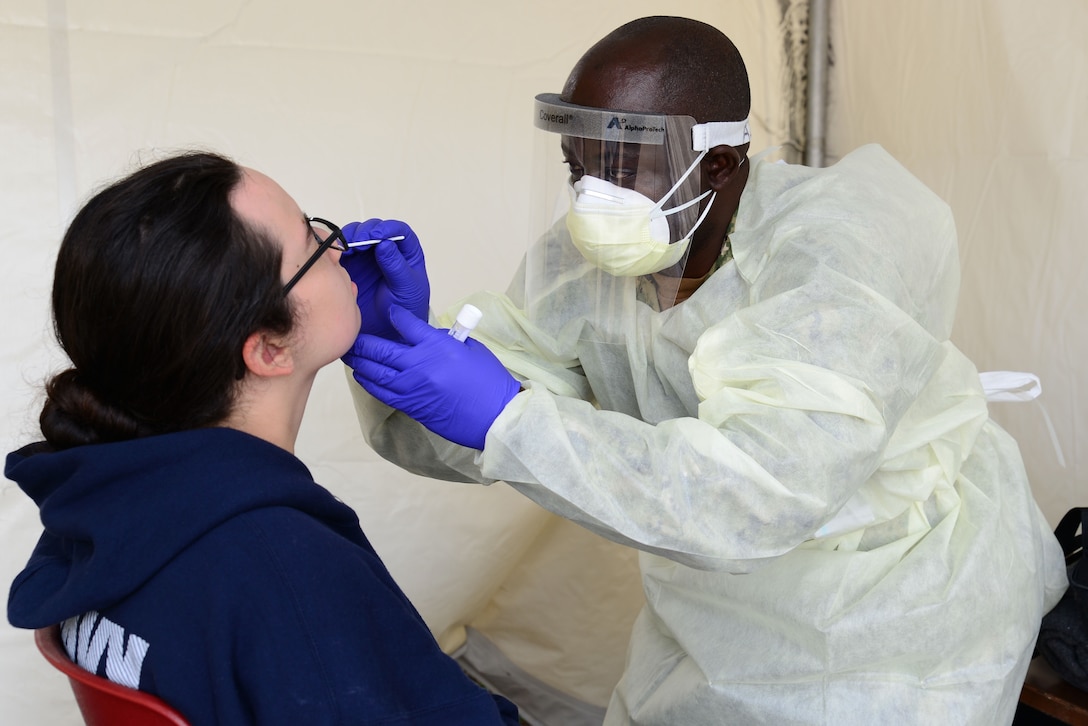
103 702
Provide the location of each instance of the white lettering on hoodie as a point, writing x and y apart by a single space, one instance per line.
86 637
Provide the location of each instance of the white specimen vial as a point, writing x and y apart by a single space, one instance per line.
465 321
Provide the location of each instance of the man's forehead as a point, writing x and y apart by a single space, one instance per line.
621 85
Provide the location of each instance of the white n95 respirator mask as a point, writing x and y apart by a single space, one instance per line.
624 232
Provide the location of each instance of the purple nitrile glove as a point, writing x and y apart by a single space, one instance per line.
387 273
455 389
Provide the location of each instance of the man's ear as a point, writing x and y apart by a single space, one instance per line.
267 356
722 164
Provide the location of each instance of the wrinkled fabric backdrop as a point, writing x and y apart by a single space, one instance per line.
421 110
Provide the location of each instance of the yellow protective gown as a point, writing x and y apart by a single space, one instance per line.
832 529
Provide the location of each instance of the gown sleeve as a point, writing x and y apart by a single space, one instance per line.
838 313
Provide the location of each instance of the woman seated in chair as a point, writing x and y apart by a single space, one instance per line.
186 551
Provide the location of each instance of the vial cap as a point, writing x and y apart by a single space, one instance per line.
469 316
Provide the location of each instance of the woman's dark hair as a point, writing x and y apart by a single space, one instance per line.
158 284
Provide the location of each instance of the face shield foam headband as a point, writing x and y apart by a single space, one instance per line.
620 162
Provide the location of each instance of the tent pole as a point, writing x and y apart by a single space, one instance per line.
816 97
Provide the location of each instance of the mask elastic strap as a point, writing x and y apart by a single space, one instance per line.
657 210
664 213
714 195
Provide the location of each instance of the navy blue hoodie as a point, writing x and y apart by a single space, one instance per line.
208 568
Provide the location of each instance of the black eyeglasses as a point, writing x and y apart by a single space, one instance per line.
333 237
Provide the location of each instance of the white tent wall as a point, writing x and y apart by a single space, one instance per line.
420 110
416 110
987 102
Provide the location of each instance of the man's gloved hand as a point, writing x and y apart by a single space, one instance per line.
388 273
455 389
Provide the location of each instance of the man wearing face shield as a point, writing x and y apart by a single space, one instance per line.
758 393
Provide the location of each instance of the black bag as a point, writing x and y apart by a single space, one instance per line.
1063 637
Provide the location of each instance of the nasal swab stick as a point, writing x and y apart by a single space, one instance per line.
365 242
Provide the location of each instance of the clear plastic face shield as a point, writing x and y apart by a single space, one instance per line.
620 197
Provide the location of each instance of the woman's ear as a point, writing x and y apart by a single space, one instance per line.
266 356
722 165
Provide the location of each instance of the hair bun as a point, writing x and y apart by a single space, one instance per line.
74 416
